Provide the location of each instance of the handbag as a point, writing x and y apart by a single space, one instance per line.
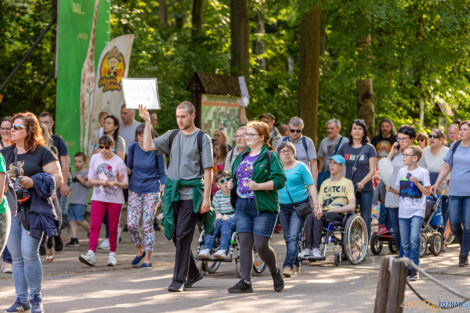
302 209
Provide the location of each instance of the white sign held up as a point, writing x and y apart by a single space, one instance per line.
141 91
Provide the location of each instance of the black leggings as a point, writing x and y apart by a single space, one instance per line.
264 249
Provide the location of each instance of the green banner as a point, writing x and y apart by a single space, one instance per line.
74 27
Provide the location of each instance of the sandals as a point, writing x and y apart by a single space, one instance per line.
49 255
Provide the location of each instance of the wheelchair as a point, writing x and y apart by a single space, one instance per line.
211 265
349 237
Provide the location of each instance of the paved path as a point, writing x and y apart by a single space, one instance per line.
70 286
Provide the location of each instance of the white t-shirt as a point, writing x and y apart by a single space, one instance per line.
391 199
434 164
412 201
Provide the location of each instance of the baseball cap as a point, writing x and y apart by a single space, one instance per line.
268 115
338 159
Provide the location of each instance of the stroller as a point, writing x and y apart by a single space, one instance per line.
432 223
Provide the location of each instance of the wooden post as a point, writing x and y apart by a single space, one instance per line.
396 289
382 287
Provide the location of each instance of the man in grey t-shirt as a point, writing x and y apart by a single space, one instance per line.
128 126
187 162
330 145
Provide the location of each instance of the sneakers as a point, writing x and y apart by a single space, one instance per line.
305 253
88 259
7 267
278 281
220 255
36 305
58 244
73 243
382 230
413 277
287 272
104 245
191 281
241 287
463 260
176 287
316 254
112 259
296 270
19 306
204 254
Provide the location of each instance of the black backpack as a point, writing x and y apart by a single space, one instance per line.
200 135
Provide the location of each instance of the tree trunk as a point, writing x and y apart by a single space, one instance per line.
163 14
309 74
179 14
259 47
365 91
240 63
198 6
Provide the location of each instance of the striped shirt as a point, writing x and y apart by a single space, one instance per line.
221 203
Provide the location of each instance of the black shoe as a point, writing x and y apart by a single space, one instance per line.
58 244
241 287
176 286
125 229
190 282
278 281
42 250
156 226
73 243
463 260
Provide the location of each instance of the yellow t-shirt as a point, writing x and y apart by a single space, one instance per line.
335 194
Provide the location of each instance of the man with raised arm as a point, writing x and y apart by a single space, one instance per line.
187 197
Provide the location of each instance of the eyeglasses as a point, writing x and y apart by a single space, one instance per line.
407 155
18 127
223 180
402 139
239 136
434 136
5 129
298 131
251 135
285 151
103 147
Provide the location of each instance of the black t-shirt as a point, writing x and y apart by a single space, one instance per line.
383 145
28 163
59 145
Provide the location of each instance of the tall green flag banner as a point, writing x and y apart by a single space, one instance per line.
75 19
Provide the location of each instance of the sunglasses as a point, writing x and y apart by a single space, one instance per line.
103 147
359 121
434 136
298 131
223 180
18 127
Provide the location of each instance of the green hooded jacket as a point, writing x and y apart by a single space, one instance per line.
266 200
171 196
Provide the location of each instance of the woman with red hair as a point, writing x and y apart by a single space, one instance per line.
257 175
26 157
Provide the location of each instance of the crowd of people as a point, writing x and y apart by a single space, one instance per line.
270 177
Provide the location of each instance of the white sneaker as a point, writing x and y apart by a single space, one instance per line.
305 253
316 254
6 267
112 259
88 259
104 245
220 255
204 254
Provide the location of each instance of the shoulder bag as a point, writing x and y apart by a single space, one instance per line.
302 209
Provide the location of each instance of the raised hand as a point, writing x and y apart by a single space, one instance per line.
144 113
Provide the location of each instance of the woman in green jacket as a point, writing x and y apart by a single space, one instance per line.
257 175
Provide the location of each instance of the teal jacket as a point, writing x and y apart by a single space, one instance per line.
171 196
266 200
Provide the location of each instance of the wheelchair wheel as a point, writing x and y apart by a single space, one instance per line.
375 244
237 268
202 266
450 239
392 246
435 244
355 239
212 267
337 259
258 264
424 245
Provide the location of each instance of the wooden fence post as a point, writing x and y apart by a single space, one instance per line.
396 289
382 287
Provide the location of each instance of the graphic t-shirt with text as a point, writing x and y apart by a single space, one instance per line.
412 201
336 194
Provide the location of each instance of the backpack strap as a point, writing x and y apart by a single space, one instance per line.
200 135
172 137
454 148
269 155
304 142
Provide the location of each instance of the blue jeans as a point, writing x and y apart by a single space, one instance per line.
365 201
459 217
77 212
410 232
393 214
249 220
27 267
291 227
225 228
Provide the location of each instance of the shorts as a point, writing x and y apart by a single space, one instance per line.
77 212
249 220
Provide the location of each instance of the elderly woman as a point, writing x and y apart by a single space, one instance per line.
458 161
299 189
28 156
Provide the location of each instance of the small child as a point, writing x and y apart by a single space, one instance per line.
225 222
414 187
80 190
